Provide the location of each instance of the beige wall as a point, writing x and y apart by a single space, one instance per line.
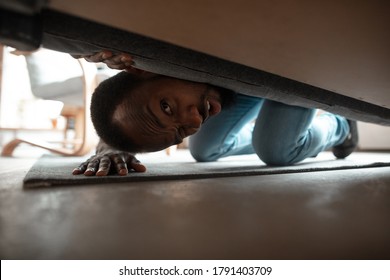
373 137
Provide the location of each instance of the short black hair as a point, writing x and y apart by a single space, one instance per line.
107 96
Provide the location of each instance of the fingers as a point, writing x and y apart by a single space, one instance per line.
104 166
87 167
137 165
115 61
122 61
80 169
92 167
120 165
100 165
98 57
119 62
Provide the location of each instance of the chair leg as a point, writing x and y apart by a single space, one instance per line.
9 148
79 127
73 121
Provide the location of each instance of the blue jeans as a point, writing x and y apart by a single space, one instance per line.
279 134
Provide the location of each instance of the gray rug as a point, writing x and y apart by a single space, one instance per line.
51 170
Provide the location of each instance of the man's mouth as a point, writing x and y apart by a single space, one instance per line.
179 136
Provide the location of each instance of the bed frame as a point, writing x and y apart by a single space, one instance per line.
26 25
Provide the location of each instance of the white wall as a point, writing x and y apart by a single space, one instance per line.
374 137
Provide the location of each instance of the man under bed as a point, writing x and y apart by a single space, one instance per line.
138 112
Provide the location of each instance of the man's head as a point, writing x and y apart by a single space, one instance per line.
137 113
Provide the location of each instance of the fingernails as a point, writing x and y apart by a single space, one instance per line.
139 168
89 172
101 173
122 172
76 171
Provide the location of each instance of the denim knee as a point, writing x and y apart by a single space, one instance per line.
202 153
271 153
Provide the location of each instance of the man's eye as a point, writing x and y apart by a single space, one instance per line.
165 107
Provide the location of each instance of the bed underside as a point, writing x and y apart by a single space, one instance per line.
74 35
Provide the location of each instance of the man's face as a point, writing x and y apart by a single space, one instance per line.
162 111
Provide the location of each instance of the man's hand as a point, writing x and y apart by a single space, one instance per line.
122 61
107 159
101 164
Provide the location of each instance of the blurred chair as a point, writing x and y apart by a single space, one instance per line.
57 76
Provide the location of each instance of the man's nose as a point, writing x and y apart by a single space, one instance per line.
193 118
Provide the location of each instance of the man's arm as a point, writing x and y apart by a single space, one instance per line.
108 158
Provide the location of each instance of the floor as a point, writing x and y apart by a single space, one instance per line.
318 215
